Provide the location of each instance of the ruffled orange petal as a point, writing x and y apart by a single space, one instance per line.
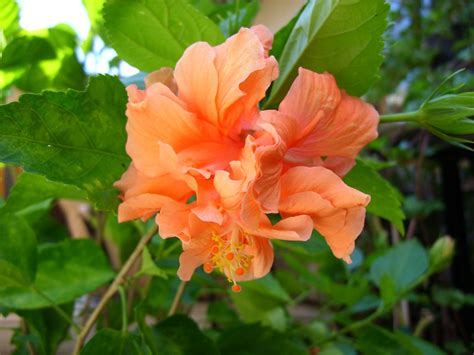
336 209
160 117
222 85
329 122
173 220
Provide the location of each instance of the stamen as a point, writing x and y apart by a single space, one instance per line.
236 288
239 271
208 268
229 256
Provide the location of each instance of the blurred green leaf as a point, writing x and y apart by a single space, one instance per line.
221 312
451 297
375 340
9 17
414 207
26 50
281 37
150 34
341 37
422 347
180 335
76 138
253 339
405 263
17 253
31 189
114 342
65 271
43 59
47 327
385 200
149 267
262 301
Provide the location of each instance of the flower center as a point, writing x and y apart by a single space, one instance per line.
228 255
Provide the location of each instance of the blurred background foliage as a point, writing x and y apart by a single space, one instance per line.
409 290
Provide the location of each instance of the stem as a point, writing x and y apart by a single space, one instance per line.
112 289
58 309
123 301
412 116
380 311
177 298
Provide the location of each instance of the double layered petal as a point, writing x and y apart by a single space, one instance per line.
337 210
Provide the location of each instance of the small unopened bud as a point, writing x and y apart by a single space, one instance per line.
441 253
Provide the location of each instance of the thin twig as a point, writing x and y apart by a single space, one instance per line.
123 302
112 289
177 298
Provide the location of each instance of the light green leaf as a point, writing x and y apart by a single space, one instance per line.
149 267
65 271
17 252
385 200
343 37
31 189
404 264
262 301
9 17
150 34
94 9
76 138
113 342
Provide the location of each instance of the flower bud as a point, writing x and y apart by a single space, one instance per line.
441 253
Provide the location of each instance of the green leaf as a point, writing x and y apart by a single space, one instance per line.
180 335
94 9
262 301
281 37
65 271
231 20
150 34
44 60
17 253
76 138
26 50
31 189
47 328
404 263
422 347
385 200
375 340
113 342
254 339
149 267
9 17
343 37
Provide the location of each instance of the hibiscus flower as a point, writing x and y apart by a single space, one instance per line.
198 132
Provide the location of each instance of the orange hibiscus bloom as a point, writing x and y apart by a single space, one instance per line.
198 132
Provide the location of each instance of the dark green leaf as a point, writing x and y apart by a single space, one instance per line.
31 189
180 335
385 200
341 37
150 34
76 138
375 340
113 342
256 340
404 263
17 253
411 342
47 327
65 271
